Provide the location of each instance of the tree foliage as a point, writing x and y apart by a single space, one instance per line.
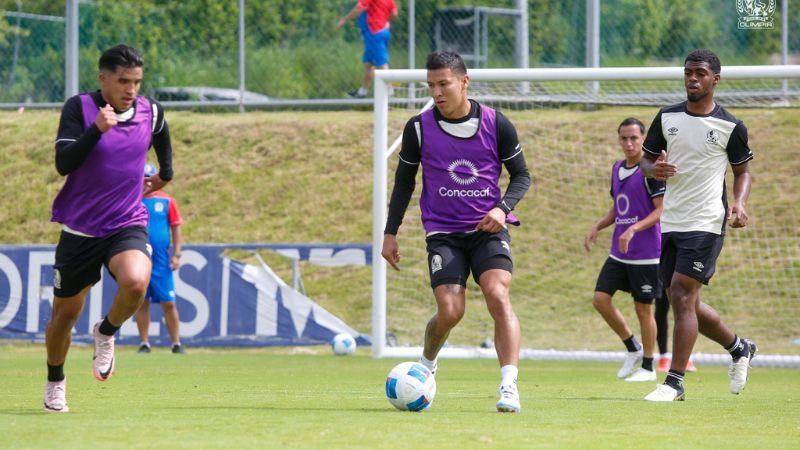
293 50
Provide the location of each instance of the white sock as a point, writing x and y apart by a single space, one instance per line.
508 374
147 344
431 365
362 91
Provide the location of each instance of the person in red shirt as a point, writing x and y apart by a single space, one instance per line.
373 21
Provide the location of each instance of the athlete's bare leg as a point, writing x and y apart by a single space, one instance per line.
495 284
58 334
450 303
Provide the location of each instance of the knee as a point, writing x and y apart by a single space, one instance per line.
682 301
643 311
135 285
450 315
66 315
601 301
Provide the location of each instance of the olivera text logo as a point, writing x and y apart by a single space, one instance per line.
755 14
463 172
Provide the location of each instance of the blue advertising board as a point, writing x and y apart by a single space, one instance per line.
221 301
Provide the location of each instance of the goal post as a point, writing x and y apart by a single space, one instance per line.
566 120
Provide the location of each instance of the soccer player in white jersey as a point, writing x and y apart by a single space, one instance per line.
690 146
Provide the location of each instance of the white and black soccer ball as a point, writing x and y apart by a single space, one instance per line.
410 386
343 344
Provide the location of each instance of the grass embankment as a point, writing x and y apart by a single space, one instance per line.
301 177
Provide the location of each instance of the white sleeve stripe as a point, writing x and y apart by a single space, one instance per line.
650 151
515 154
408 162
749 157
65 140
155 120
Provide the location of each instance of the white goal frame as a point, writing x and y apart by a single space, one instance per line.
382 151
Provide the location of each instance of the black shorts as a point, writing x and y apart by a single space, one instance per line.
692 253
642 281
79 259
451 256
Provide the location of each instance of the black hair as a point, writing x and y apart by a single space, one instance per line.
705 55
447 59
631 121
120 56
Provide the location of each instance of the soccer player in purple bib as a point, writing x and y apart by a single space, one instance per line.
632 265
690 145
102 144
462 147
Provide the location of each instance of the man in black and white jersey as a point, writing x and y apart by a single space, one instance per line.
690 146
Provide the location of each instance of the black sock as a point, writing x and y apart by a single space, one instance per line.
662 324
632 344
738 348
675 380
647 364
106 328
55 373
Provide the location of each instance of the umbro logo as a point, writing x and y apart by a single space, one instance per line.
504 244
673 131
698 266
646 289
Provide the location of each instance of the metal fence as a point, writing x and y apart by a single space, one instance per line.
288 53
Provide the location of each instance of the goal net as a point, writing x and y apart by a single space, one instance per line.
567 121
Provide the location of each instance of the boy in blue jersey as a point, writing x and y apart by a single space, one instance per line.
165 219
101 147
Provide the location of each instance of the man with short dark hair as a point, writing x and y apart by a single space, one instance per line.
462 146
101 147
632 265
690 146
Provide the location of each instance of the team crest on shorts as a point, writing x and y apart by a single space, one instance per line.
56 279
436 263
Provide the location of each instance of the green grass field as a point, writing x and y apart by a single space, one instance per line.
308 398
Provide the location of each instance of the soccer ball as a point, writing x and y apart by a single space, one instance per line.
410 386
343 344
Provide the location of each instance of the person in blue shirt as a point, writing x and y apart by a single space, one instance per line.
165 220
